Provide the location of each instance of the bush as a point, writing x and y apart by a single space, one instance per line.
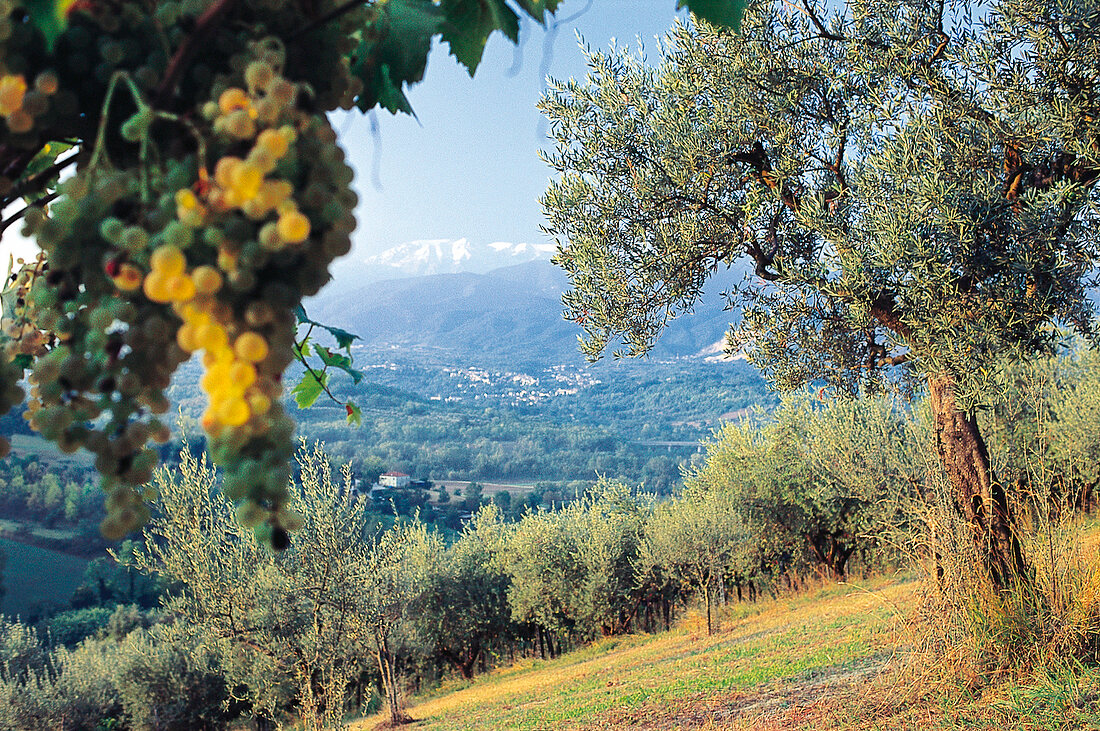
74 692
21 653
167 682
76 625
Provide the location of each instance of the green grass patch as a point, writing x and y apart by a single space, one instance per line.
639 677
36 577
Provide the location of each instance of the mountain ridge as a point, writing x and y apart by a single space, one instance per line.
425 257
508 313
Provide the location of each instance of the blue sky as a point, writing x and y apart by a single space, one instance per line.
468 165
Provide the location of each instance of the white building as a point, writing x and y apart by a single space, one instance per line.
394 479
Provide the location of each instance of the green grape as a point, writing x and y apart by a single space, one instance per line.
112 229
167 13
147 77
35 103
134 239
177 235
137 126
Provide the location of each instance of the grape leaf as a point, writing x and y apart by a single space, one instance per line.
717 12
538 9
393 52
50 17
335 360
344 339
355 414
309 389
46 156
471 22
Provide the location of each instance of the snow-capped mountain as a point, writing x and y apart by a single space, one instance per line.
446 256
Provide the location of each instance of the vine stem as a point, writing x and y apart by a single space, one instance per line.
19 214
187 50
300 352
327 17
98 149
101 132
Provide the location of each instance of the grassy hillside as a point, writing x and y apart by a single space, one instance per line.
831 659
35 576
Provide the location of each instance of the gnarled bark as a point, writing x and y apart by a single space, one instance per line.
981 500
832 550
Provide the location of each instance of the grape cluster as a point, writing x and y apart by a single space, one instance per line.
185 232
241 252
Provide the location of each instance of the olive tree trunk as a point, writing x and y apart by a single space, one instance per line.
979 498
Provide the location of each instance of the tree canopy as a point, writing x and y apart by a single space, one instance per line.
913 184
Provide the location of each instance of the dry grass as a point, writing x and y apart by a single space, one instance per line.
766 660
844 657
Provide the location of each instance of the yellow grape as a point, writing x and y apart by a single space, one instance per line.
293 227
245 180
189 209
262 159
269 237
233 412
207 279
212 357
155 286
211 336
185 337
258 402
223 170
167 261
19 121
273 142
12 89
128 278
180 288
227 260
186 198
216 378
239 124
233 99
242 373
251 347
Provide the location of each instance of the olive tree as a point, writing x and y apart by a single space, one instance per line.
814 481
290 628
461 610
693 539
1044 437
911 182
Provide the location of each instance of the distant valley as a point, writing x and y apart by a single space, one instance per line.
475 375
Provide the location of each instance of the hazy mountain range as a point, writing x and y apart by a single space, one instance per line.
511 313
441 256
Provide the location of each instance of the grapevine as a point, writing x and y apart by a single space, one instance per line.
207 196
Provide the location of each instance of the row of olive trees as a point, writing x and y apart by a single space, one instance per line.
299 633
806 489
